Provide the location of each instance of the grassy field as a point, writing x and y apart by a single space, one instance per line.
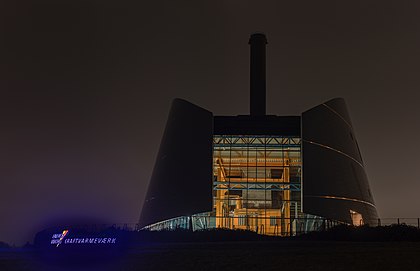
254 255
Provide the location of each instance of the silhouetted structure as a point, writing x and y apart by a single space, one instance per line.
276 175
257 74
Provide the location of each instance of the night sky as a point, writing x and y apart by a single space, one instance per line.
86 88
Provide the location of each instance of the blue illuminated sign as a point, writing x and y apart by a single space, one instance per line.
64 239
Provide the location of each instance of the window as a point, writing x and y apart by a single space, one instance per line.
273 220
242 220
256 177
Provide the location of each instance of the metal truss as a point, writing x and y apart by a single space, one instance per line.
277 186
223 140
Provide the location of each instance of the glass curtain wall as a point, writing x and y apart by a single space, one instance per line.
257 183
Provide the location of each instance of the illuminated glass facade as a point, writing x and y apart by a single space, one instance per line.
257 183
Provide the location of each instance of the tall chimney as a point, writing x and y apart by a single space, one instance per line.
257 74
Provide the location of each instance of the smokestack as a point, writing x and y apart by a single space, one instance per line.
257 74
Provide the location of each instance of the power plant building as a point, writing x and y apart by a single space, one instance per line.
276 175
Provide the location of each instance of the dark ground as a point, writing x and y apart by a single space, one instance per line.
293 255
283 255
395 247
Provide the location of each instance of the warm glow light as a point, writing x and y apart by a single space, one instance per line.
338 151
344 198
257 183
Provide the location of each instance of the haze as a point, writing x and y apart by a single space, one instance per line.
86 87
